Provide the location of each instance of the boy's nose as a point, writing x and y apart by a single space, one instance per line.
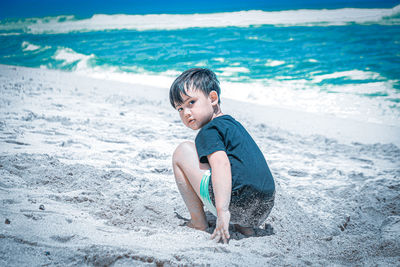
187 112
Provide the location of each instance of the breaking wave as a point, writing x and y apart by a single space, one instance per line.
303 17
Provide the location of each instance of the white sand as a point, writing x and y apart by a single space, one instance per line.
96 154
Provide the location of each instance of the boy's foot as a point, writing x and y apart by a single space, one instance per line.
192 225
247 231
189 223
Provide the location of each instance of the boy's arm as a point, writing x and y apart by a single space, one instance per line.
222 185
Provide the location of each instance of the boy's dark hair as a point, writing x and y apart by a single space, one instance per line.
196 79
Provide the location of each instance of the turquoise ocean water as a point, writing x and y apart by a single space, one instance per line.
344 61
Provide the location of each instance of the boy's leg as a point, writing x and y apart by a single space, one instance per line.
188 174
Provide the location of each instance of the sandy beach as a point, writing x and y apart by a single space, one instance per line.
86 179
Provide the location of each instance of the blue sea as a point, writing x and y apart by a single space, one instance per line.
338 59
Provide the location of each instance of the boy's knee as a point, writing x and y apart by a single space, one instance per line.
182 150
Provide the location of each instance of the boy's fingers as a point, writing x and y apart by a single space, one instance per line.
214 234
224 239
227 234
217 237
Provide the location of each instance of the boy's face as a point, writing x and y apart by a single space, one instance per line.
197 108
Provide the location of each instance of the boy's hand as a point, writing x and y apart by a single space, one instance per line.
221 231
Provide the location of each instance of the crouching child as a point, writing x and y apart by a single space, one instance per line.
223 169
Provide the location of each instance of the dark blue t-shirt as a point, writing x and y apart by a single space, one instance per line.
248 165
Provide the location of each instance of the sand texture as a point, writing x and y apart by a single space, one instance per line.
86 179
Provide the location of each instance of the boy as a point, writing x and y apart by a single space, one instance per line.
242 188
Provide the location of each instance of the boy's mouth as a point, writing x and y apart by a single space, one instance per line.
191 121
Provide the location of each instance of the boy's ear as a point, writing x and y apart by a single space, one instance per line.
213 97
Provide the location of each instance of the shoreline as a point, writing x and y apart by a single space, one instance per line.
298 122
304 123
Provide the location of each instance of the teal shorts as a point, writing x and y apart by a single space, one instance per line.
248 207
205 192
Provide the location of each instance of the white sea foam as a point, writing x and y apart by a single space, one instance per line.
232 71
274 63
303 17
219 59
127 74
68 56
26 46
349 75
10 34
201 63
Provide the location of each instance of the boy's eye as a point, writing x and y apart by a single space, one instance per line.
180 109
191 102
